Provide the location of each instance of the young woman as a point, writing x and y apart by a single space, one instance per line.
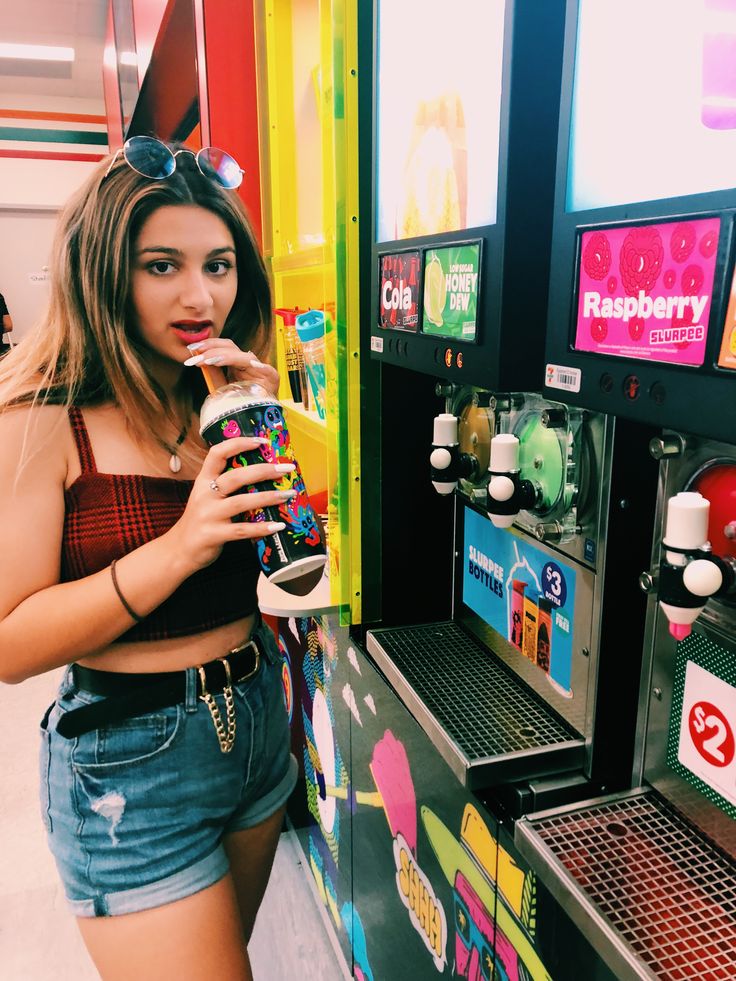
165 763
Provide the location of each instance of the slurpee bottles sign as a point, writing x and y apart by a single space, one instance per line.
398 305
645 291
451 277
525 595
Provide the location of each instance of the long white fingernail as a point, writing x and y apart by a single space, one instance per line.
197 359
284 467
273 526
255 363
286 495
196 346
212 360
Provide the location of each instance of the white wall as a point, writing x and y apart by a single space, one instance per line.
31 194
25 238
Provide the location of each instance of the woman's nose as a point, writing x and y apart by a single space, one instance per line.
195 293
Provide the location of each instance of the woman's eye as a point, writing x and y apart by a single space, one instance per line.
160 267
218 267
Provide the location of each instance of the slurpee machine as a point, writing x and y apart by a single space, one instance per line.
641 324
507 539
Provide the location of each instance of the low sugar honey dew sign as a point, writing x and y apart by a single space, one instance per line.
526 596
451 280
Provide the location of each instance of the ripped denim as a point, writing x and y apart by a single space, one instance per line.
136 812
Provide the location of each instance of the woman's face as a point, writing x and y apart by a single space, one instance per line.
184 279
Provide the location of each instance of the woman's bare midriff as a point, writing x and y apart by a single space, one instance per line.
174 654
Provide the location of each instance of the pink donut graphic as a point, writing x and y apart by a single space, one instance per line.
599 329
636 328
612 284
692 280
669 279
640 260
682 242
597 256
708 243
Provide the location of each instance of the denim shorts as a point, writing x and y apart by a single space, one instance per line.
136 812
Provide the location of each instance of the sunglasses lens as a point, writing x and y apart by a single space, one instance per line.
150 157
219 166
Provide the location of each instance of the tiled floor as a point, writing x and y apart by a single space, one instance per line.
38 937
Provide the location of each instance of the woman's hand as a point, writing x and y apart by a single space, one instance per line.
239 366
207 524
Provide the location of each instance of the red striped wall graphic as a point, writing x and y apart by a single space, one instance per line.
39 135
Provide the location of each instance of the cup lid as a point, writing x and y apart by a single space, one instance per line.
310 325
230 398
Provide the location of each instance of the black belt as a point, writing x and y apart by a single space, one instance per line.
130 695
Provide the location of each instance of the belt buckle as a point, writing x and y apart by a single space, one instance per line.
239 650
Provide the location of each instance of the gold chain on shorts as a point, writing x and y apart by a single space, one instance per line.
225 738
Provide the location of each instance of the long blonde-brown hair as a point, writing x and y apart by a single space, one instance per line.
84 351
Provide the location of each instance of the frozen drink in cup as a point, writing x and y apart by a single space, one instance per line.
249 410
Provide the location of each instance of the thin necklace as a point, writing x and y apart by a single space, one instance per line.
174 461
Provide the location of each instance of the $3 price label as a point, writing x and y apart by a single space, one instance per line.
554 584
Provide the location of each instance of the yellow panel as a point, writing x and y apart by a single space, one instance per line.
312 174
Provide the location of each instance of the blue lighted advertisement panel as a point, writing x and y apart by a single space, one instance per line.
526 596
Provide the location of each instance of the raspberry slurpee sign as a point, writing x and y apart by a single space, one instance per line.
645 291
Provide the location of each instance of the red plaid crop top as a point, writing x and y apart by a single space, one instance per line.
108 515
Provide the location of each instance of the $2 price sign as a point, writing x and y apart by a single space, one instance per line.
707 743
711 734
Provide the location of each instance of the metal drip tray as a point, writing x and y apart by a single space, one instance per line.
486 723
654 897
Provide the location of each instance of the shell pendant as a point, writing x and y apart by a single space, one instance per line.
174 463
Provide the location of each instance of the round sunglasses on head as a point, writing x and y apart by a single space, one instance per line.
151 158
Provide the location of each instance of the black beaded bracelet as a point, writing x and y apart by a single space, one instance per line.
131 612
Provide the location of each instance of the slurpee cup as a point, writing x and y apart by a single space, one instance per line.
249 410
517 612
544 634
531 613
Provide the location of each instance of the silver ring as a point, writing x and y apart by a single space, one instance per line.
215 486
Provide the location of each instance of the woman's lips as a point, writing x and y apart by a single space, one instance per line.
191 333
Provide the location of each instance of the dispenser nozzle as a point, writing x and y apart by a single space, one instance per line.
689 574
443 458
680 630
507 493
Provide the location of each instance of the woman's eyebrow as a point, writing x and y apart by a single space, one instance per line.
177 252
159 248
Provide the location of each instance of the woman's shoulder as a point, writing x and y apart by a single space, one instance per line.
35 435
42 418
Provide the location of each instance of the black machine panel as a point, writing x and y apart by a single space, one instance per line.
463 185
641 320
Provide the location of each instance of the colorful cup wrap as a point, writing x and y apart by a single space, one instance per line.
301 538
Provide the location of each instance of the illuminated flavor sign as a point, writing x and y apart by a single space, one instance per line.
438 109
451 280
727 354
645 291
398 304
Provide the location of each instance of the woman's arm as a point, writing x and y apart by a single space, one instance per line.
45 623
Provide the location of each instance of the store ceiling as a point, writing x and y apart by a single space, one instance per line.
78 24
